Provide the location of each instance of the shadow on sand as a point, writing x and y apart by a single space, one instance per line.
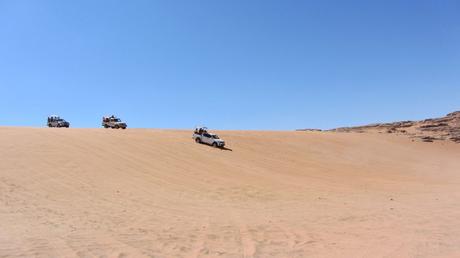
219 148
225 148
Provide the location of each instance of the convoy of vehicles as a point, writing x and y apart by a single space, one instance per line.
56 121
201 135
113 122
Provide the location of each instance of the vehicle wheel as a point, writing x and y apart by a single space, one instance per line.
214 145
116 127
123 128
197 140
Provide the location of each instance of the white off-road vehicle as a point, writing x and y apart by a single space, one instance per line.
113 122
56 121
201 135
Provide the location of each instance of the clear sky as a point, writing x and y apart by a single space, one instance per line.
236 64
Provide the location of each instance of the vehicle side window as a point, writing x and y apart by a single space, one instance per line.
207 135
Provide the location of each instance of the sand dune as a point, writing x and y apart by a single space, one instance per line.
156 193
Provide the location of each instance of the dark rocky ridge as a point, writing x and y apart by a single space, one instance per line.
428 130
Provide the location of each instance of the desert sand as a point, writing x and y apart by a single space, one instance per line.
156 193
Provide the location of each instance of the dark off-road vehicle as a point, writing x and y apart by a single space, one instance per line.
56 121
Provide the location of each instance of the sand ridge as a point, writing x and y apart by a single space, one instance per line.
156 193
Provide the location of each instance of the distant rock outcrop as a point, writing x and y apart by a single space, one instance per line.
428 130
309 130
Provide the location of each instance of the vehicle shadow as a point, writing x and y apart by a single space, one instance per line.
225 148
219 148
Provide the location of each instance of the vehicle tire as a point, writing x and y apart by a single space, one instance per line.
106 126
214 144
197 140
123 128
116 127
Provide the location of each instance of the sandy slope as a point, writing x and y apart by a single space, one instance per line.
155 193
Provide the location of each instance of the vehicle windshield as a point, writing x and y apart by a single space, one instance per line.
116 119
215 136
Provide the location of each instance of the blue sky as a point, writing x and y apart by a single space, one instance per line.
260 64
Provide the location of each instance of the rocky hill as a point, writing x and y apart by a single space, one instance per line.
428 130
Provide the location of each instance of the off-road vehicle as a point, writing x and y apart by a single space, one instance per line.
113 122
201 135
56 121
